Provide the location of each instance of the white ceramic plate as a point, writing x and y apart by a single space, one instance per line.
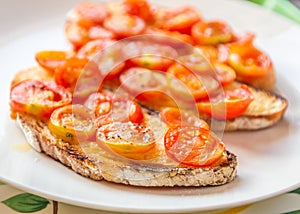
268 159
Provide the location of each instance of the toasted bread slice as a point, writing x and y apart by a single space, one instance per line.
93 162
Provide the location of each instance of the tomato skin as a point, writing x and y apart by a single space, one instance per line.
50 60
147 86
68 74
212 33
127 139
76 34
124 25
193 146
195 85
90 49
225 74
181 19
38 98
140 8
174 117
234 103
88 13
113 108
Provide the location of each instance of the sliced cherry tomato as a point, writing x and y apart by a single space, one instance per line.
98 32
212 33
140 8
72 123
181 19
193 146
147 86
225 74
89 13
234 102
112 108
50 60
183 38
199 86
127 139
249 62
90 49
68 74
153 56
77 35
38 98
124 25
175 117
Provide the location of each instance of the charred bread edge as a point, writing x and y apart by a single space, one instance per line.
39 136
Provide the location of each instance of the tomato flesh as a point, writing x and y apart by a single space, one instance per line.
193 146
233 104
72 123
38 98
51 60
126 139
174 117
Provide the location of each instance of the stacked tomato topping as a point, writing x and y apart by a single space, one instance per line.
190 61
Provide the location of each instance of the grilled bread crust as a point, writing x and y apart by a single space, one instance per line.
126 172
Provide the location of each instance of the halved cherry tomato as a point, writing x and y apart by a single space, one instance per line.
193 146
114 108
181 19
38 98
51 60
225 74
175 117
140 8
127 139
89 13
124 25
153 56
234 102
98 32
212 33
76 34
72 123
68 74
183 38
199 86
249 62
147 86
90 49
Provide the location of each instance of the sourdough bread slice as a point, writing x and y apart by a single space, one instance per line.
99 165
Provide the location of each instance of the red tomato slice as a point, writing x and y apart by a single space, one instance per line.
127 139
72 123
90 49
233 104
109 108
88 13
140 8
38 98
124 25
51 60
68 74
181 19
199 86
212 33
147 86
193 146
152 62
98 32
174 117
76 34
225 74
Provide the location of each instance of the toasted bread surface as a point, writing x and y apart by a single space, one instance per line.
92 162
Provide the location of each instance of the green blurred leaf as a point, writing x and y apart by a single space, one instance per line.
293 212
1 183
296 191
284 7
26 203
